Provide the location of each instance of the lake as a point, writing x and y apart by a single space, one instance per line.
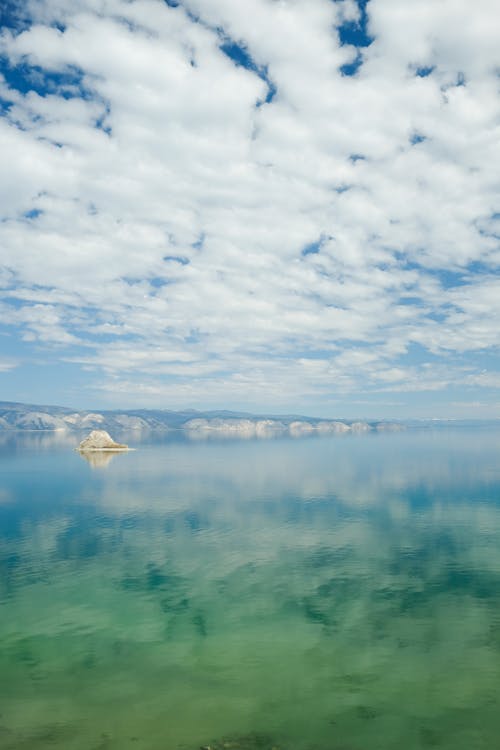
320 593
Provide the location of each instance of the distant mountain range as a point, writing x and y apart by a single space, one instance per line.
15 416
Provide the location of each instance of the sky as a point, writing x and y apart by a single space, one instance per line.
267 205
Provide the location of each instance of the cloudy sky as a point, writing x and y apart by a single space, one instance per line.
257 204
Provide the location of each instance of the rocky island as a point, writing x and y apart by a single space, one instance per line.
100 440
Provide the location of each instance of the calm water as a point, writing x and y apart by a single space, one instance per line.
340 593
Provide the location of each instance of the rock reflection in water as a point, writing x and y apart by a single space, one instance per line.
98 459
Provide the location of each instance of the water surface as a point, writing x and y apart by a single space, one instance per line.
333 593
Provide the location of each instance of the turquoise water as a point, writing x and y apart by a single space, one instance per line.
334 593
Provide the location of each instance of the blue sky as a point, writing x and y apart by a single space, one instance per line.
275 205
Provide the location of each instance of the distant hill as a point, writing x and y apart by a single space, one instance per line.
16 416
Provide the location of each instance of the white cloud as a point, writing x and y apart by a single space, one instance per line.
7 364
171 204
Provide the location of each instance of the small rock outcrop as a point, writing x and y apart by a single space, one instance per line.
100 440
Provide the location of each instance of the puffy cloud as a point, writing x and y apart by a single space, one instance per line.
200 199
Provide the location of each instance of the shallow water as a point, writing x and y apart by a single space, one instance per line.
333 593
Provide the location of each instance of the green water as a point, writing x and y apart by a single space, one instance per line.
336 593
